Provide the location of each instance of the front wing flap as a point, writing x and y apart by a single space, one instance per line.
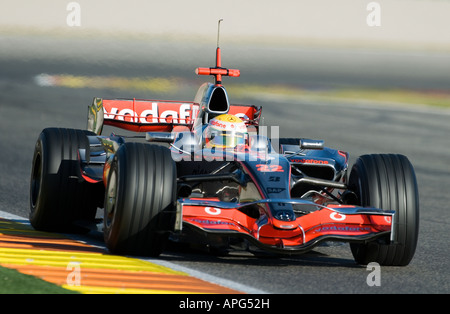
327 223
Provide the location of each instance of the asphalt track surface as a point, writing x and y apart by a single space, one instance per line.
421 133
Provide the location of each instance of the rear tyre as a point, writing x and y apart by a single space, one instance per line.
140 200
388 182
58 197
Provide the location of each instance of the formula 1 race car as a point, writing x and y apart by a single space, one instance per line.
204 172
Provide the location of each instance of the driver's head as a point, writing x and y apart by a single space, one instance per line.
225 131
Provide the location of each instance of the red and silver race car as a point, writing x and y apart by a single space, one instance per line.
204 172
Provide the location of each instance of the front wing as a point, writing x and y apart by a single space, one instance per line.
327 223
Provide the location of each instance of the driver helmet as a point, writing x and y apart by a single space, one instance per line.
225 131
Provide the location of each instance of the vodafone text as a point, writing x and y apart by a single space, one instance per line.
152 115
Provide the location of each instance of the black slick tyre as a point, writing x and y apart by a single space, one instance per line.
388 182
58 196
139 200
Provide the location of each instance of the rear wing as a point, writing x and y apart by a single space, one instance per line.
141 115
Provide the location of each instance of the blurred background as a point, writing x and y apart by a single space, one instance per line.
306 48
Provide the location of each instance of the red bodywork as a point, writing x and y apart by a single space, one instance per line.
299 235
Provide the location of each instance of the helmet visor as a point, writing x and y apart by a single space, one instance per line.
226 138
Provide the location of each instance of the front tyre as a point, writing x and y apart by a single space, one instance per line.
58 197
139 200
388 182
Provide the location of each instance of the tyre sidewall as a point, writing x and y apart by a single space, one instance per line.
58 195
145 197
388 182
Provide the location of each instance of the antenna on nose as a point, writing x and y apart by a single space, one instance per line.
218 31
218 57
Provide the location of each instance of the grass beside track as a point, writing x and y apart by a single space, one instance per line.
14 282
